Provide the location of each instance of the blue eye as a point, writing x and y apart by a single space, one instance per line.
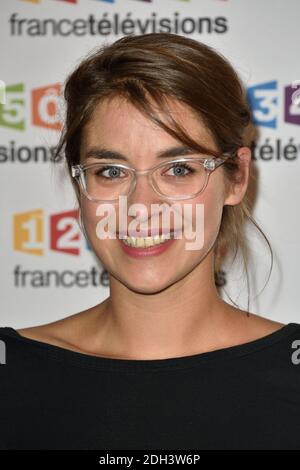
109 172
178 167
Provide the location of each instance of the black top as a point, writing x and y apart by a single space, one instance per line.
241 397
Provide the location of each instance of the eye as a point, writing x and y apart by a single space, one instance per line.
109 172
180 170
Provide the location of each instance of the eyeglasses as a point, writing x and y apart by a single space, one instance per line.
178 179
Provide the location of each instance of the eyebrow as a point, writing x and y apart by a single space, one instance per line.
171 152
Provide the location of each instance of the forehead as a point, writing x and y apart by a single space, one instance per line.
118 123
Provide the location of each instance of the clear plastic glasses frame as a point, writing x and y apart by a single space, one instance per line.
209 164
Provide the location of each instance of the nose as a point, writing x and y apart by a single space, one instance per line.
144 195
143 192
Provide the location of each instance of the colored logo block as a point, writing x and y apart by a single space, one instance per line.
45 107
32 1
263 101
12 112
65 232
28 229
292 103
68 1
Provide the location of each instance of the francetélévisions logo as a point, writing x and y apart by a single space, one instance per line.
272 106
37 234
117 23
39 107
44 102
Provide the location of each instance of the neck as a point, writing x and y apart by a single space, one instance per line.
180 320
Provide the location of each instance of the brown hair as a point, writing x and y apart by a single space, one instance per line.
159 66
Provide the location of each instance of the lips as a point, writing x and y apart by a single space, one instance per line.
142 252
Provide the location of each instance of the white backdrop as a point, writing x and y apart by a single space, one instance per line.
47 271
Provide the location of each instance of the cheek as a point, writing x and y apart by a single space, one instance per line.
213 208
89 218
97 220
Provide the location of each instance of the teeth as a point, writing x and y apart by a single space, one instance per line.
144 242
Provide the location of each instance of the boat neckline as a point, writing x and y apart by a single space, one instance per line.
94 361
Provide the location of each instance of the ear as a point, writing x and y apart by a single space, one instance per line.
237 188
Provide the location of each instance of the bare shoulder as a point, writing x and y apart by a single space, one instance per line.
61 332
254 326
265 325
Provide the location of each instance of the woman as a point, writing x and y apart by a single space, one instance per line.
164 362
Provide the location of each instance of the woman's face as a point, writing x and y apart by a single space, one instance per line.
118 126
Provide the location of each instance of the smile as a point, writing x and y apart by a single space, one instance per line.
138 247
146 242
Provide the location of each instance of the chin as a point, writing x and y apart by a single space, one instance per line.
143 289
143 284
